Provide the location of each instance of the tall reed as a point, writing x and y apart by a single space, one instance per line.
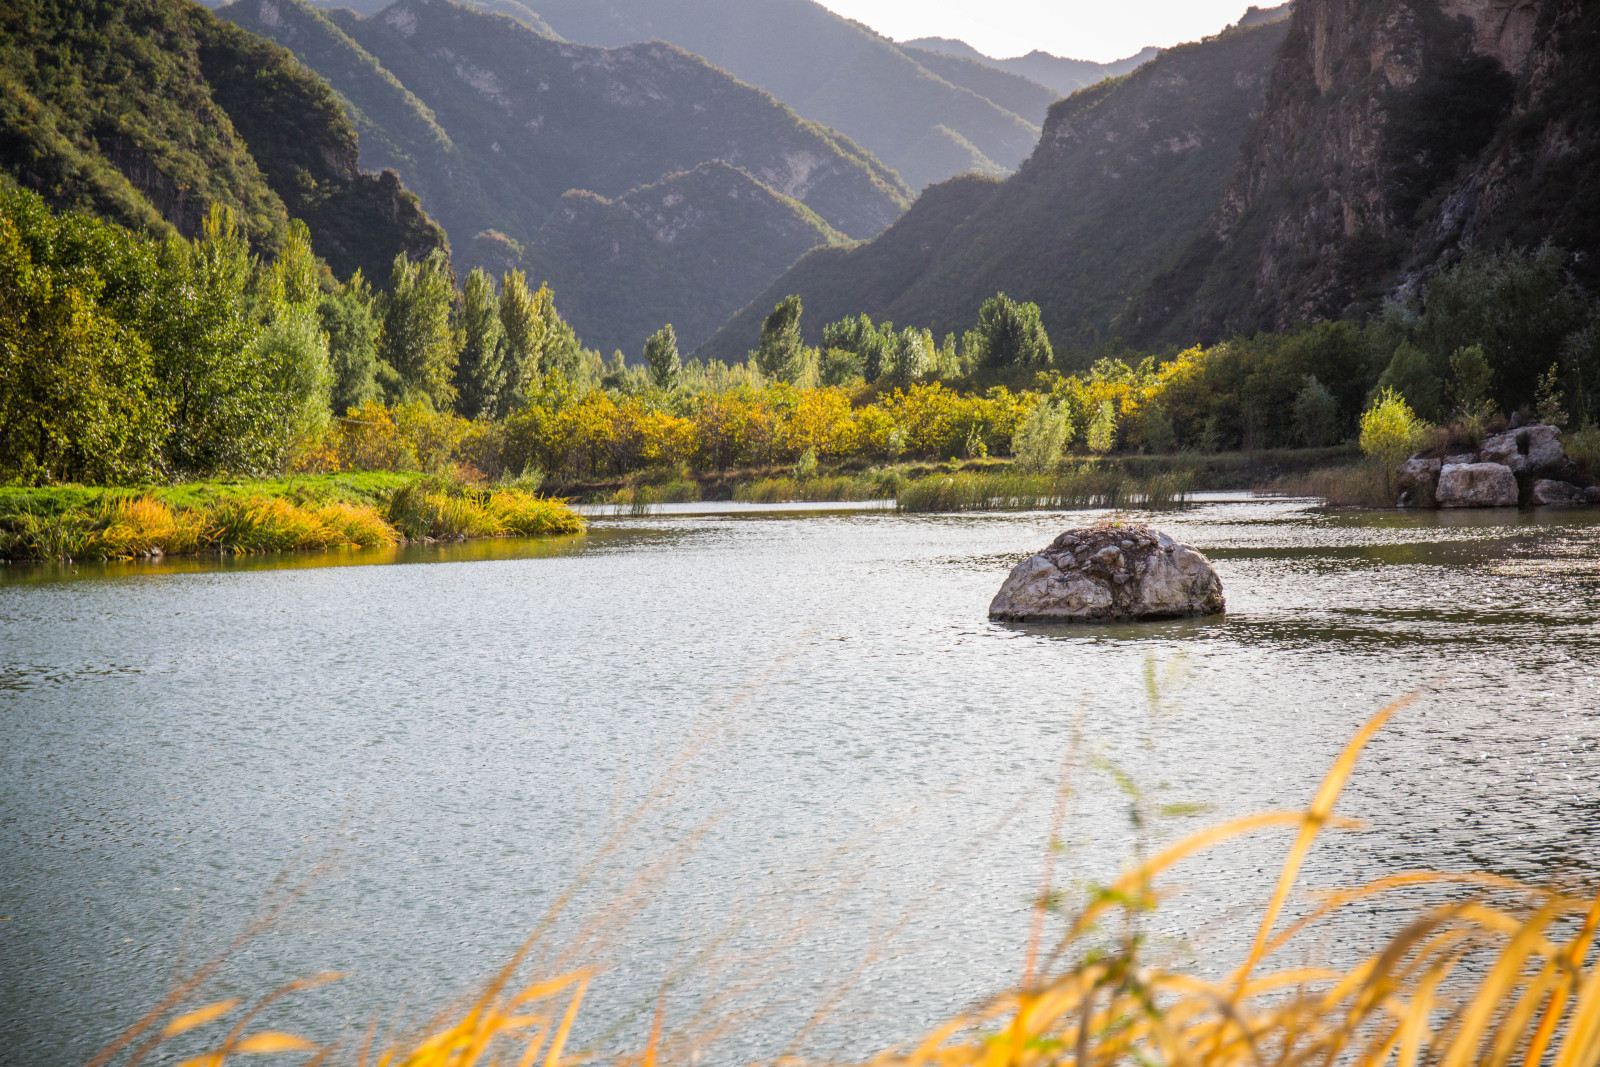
1087 486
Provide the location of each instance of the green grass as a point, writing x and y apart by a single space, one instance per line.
338 511
1087 486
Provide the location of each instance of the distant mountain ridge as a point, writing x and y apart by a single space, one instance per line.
1125 177
827 68
1060 75
151 111
495 124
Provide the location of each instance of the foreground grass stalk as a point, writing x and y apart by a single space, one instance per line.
1503 977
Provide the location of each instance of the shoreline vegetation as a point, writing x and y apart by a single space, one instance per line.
382 509
74 523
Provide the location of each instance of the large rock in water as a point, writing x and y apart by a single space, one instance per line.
1477 485
1110 573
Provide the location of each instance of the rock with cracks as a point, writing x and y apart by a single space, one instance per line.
1477 485
1110 573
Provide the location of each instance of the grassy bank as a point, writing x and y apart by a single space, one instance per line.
1084 481
346 511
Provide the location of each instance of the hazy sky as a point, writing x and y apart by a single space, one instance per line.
1083 29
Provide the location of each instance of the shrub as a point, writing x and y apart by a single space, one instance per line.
1041 441
1390 430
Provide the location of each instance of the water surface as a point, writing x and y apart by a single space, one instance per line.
847 772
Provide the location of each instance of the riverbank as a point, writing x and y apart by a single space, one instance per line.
1080 481
354 511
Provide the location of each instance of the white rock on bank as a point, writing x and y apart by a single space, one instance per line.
1477 485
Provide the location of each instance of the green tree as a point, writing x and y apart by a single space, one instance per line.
522 329
1522 308
1102 435
1550 402
346 317
418 340
1012 335
203 336
1413 374
1316 414
840 366
781 354
79 399
480 371
1471 380
911 358
662 359
1041 441
291 357
1157 434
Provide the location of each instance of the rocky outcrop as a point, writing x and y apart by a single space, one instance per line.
1477 485
1525 465
1110 573
1396 134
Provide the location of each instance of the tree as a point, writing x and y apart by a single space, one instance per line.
522 329
1471 380
840 366
911 358
781 353
1102 435
79 400
1041 441
480 371
1316 414
346 317
291 357
418 339
661 357
1012 335
1413 375
1390 429
1549 400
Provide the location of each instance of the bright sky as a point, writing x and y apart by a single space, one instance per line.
1101 30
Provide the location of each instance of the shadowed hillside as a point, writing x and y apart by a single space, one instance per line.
495 124
151 111
1125 176
827 68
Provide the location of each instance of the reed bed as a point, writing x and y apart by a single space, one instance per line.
1358 485
1503 974
142 527
818 489
1011 490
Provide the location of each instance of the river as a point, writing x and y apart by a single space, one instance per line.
781 756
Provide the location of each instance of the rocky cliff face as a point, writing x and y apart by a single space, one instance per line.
1395 133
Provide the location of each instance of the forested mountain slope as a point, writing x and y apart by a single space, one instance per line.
151 111
1127 173
1396 134
827 68
494 124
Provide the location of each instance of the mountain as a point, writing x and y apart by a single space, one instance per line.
827 68
1126 175
1018 95
1428 128
494 124
151 111
685 249
1060 75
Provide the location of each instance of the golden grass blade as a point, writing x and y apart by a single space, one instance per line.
1497 985
1571 960
199 1017
1582 1045
1315 819
267 1042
